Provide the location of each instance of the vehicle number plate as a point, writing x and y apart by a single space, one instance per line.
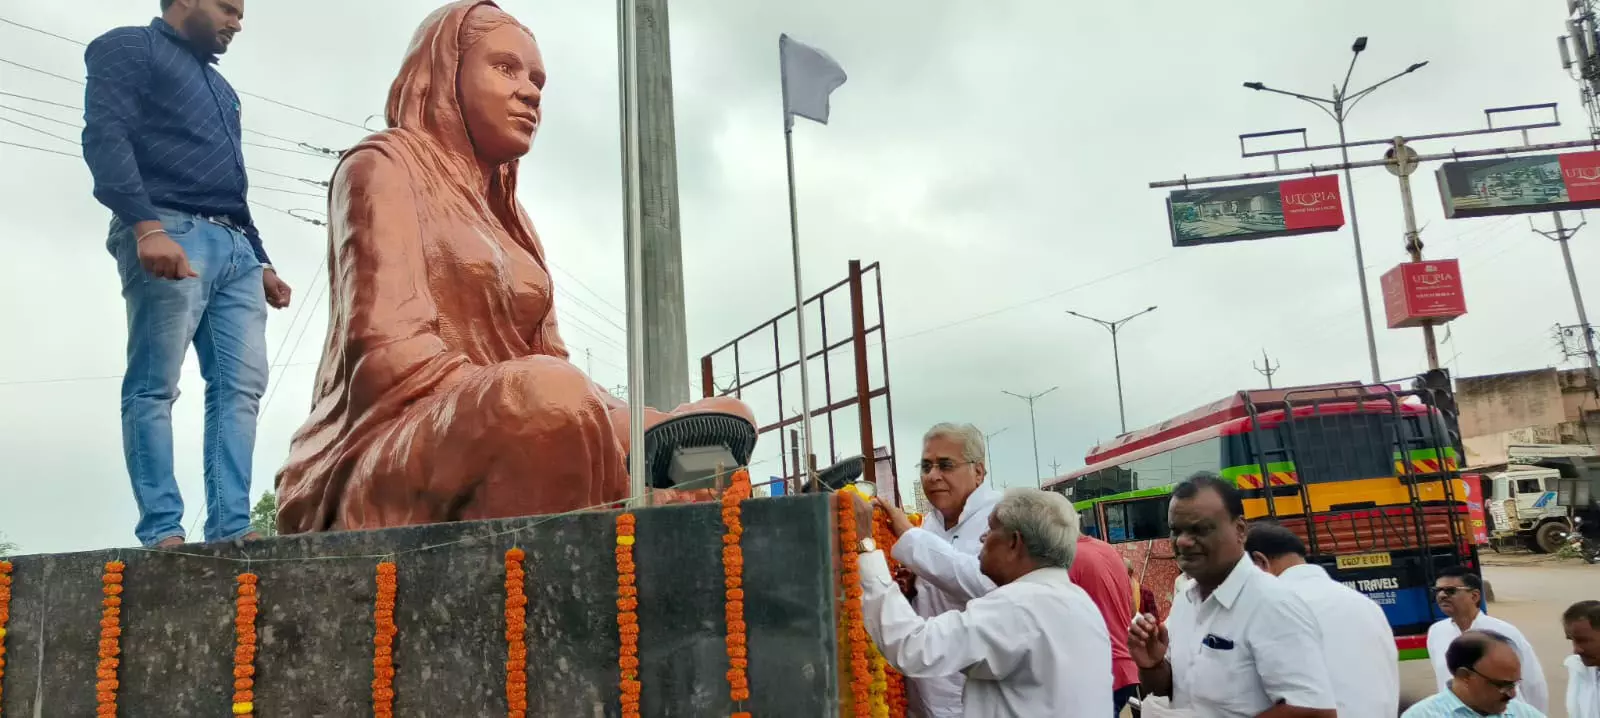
1363 560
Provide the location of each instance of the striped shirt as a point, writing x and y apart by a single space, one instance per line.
1445 704
162 129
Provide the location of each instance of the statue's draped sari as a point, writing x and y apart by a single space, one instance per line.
444 391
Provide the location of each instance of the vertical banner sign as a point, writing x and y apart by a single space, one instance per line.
1475 511
1520 185
1255 211
1419 292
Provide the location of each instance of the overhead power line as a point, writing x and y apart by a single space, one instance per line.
263 98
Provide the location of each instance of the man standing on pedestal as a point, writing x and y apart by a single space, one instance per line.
163 144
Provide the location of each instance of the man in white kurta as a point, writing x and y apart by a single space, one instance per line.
943 553
1582 625
1357 642
1459 593
1034 646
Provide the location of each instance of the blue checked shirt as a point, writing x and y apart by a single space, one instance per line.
1445 704
163 129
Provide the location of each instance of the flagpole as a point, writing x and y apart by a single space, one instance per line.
633 230
808 459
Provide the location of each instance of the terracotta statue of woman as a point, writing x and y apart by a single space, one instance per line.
445 391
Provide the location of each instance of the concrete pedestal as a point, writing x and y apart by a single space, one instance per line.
316 626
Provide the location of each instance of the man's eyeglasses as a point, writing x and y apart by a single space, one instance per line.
1450 590
944 466
1508 688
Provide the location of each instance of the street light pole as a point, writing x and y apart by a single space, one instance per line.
988 454
1038 477
1116 353
1339 108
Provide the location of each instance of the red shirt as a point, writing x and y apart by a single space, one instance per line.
1099 571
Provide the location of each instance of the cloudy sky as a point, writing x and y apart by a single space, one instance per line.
993 157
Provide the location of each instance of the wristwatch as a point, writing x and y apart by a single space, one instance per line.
866 545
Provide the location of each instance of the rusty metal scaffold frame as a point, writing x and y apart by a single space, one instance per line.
861 398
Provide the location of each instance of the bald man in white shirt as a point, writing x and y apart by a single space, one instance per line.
1034 646
1357 642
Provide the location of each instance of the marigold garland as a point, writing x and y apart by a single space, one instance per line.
627 617
244 653
5 616
860 669
106 684
894 701
516 636
383 635
733 582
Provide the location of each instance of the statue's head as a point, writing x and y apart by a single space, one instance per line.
473 80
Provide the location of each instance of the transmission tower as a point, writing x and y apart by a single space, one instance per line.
1267 368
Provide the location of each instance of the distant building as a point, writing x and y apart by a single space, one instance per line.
1543 406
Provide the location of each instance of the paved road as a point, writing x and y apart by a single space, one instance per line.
1530 592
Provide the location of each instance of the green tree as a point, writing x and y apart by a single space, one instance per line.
8 547
264 517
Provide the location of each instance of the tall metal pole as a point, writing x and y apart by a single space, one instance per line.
1338 108
988 453
1403 164
1116 353
633 223
809 458
1355 233
1116 360
1038 475
1038 478
665 332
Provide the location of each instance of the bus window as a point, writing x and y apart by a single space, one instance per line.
1343 447
1137 520
1088 523
1147 518
1116 523
1200 456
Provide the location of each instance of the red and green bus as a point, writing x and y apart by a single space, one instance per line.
1367 475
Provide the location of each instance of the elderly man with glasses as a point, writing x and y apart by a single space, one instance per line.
1459 593
943 553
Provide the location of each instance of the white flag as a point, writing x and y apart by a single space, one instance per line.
809 76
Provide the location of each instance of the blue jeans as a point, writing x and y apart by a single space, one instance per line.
224 313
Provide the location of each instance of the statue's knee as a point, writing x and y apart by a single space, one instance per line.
542 394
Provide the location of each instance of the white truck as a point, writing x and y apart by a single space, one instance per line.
1527 500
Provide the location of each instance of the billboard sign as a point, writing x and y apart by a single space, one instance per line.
1415 293
1520 185
1255 211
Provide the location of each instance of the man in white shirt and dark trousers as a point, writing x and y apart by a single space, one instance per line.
1459 593
1357 642
943 553
1035 646
1238 643
1582 624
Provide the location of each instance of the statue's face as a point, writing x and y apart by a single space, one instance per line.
501 81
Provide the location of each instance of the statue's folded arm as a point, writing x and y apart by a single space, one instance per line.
391 337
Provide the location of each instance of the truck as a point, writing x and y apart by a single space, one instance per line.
1540 490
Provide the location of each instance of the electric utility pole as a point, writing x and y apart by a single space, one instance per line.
1560 235
1580 56
1030 398
1116 355
1338 107
1267 368
665 336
